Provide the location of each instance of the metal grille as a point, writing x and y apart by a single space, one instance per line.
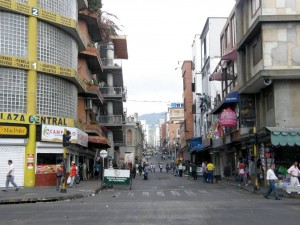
16 154
67 8
56 47
56 97
13 34
13 90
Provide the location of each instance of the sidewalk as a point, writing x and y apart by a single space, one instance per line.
250 188
48 194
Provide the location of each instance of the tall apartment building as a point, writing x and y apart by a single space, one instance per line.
50 69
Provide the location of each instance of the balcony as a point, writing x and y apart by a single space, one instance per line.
113 92
112 63
93 128
111 120
93 59
93 91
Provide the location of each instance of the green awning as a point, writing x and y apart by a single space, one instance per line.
285 136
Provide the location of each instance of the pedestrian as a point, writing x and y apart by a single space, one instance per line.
241 172
210 172
97 170
10 176
294 172
259 173
140 168
204 171
271 180
73 173
180 169
59 174
161 167
153 168
227 171
194 171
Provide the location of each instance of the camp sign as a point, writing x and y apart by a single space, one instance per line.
117 177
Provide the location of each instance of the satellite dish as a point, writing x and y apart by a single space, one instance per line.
267 81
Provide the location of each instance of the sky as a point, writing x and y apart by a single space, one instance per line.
160 35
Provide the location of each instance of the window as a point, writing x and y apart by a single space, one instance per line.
269 100
257 49
227 36
129 137
222 45
233 30
255 5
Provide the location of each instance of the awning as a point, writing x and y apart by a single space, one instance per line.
232 97
99 140
285 136
196 144
230 56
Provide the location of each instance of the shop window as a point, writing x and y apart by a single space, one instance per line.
247 110
47 163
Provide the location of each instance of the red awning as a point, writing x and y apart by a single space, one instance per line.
99 140
230 56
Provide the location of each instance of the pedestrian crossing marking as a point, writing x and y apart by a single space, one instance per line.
130 194
175 193
146 194
189 193
160 193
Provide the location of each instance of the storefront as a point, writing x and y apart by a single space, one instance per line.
13 139
49 152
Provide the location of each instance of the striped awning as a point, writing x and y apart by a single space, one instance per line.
283 136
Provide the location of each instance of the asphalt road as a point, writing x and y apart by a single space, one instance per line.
162 200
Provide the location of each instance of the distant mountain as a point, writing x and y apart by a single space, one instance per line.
152 118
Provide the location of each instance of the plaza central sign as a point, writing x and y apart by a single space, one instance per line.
34 119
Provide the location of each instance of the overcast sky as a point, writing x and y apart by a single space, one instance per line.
159 34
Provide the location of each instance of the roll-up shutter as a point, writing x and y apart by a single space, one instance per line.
16 154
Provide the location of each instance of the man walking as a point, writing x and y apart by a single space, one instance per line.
10 176
271 180
210 172
294 172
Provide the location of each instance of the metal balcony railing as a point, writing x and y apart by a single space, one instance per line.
111 91
112 63
111 120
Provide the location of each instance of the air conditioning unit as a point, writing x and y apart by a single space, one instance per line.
89 104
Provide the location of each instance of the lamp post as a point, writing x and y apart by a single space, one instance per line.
103 154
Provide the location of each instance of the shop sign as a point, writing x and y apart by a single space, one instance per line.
228 118
10 61
53 69
52 133
30 161
31 119
14 131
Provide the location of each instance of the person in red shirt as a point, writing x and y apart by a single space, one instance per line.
73 173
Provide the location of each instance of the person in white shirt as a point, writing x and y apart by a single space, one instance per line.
10 176
271 180
294 171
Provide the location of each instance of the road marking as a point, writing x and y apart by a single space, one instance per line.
189 193
160 193
175 193
146 194
130 194
203 191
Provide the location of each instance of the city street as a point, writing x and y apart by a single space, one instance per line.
163 199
